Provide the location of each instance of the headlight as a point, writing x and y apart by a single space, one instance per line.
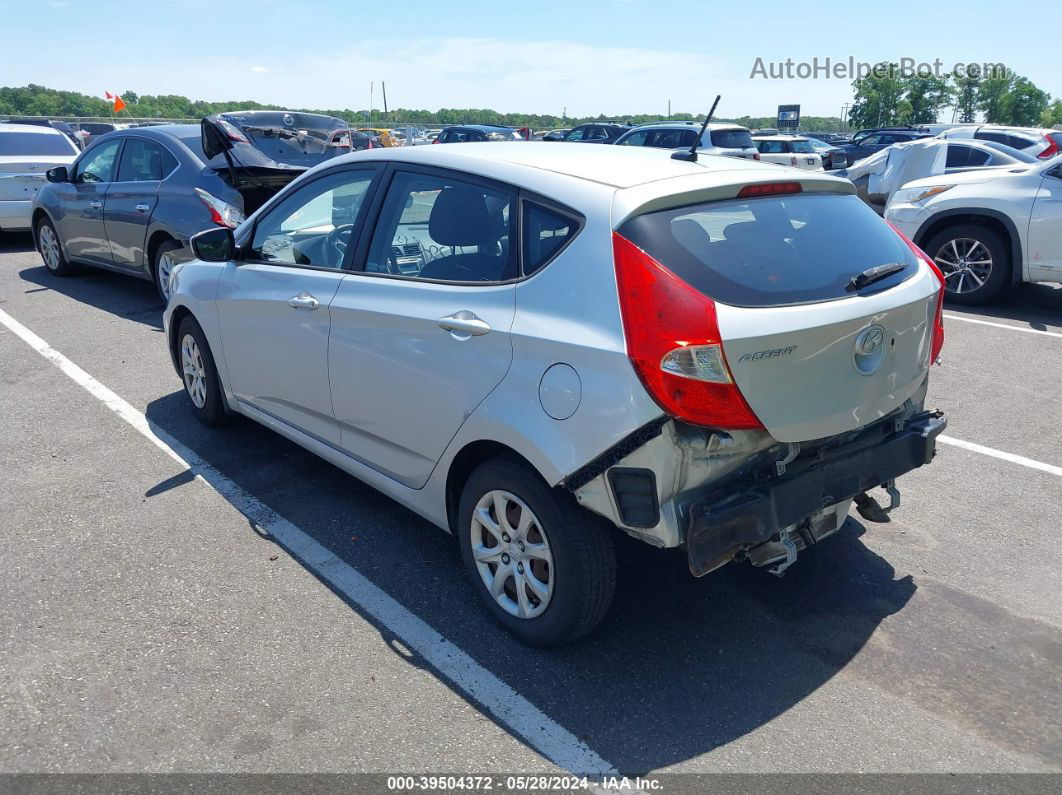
915 195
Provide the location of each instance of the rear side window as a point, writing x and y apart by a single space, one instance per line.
774 250
732 139
545 233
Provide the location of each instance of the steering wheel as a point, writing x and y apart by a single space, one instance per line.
339 238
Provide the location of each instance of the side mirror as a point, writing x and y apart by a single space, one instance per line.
57 174
214 245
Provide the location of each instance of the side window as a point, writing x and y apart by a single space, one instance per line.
144 161
771 147
595 133
957 156
635 139
988 135
315 225
434 227
870 140
545 233
577 134
98 164
1018 141
977 158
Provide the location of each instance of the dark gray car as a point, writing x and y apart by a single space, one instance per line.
134 198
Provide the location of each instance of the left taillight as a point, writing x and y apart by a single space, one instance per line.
1052 148
938 321
674 344
221 212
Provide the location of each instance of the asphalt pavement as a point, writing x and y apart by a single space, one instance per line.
151 624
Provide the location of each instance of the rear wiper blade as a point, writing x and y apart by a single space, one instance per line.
871 275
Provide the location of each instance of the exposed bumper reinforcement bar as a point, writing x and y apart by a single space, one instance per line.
753 509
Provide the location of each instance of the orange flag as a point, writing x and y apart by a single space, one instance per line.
119 105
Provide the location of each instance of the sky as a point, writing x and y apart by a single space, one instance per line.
583 57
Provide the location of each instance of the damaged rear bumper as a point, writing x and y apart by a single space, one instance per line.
741 514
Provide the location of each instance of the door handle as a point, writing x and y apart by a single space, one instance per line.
464 322
303 301
95 204
142 208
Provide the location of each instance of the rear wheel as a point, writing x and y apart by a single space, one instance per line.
52 250
544 566
200 376
974 261
162 267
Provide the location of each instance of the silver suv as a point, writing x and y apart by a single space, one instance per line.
533 346
730 140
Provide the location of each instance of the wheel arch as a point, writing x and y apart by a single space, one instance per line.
157 238
465 461
998 222
180 312
39 214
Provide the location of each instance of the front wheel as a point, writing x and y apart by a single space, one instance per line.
974 261
545 567
52 250
201 383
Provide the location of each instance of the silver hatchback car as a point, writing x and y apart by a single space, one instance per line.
532 346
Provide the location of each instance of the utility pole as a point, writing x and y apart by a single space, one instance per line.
669 110
383 86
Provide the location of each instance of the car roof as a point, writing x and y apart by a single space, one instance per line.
618 167
481 127
778 138
713 125
29 128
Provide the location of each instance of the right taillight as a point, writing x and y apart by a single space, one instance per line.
221 212
1051 150
674 344
938 321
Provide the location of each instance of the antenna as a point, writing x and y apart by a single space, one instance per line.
691 155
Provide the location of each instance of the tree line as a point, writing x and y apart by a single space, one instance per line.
888 98
34 100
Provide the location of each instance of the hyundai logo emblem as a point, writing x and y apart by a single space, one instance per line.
869 349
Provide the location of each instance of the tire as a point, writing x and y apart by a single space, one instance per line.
204 393
161 267
960 252
51 250
565 547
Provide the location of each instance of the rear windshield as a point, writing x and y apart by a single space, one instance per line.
732 139
772 251
32 143
803 147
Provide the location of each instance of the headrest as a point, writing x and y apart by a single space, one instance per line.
459 218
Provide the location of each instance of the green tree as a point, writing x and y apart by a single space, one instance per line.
879 99
965 90
991 98
925 97
1024 103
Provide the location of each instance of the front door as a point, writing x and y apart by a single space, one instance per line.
420 336
1045 229
132 197
81 226
274 305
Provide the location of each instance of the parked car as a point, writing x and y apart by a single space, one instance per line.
730 140
477 133
877 177
26 154
828 138
88 131
1041 143
987 230
133 199
788 150
360 141
833 157
55 124
713 355
382 134
596 133
552 135
866 142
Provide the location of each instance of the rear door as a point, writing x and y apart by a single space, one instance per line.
812 358
416 345
274 305
81 226
131 199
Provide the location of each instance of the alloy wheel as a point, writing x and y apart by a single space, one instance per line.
194 371
49 247
512 554
966 264
165 267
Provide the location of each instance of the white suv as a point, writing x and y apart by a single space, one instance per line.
534 345
1036 141
987 230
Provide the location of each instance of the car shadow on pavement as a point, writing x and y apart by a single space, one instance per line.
1039 306
679 667
16 242
124 296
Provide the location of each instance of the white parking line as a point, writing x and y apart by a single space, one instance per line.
1002 454
511 709
1003 325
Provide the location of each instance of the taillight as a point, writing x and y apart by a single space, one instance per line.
674 344
221 212
768 189
1051 150
756 156
435 141
232 131
938 322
